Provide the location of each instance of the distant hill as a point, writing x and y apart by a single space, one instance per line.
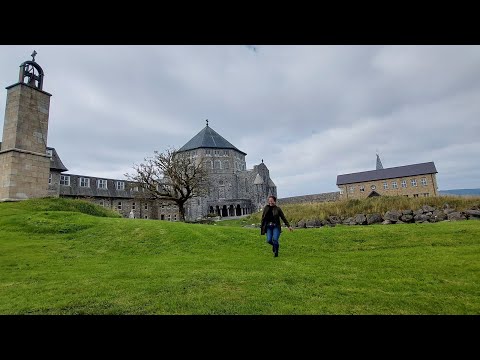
460 192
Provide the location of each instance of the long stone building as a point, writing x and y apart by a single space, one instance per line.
415 180
29 168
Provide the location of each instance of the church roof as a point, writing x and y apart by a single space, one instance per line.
388 173
208 138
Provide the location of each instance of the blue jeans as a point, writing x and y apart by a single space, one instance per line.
273 233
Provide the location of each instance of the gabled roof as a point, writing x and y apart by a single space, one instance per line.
388 173
258 180
208 138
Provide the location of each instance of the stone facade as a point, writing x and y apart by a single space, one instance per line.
411 186
24 164
30 169
416 180
323 197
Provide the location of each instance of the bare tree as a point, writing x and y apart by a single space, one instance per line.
173 176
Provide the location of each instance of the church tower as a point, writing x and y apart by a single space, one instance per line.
24 163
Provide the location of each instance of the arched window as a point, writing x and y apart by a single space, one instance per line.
226 165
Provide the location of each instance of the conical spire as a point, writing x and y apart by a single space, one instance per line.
379 163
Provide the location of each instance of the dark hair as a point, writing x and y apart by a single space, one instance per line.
273 197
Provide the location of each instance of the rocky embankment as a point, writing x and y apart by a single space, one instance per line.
425 214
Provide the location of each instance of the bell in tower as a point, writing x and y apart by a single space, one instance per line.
33 72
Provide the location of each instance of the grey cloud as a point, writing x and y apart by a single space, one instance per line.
311 112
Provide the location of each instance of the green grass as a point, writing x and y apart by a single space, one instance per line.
65 261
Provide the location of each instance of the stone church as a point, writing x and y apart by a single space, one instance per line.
31 169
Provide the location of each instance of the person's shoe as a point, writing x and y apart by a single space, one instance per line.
275 250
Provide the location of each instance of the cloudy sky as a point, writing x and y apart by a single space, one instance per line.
310 112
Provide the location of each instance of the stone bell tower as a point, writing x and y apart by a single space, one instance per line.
24 163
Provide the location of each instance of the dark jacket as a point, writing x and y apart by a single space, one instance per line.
277 214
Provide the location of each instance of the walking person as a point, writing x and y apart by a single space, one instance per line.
270 224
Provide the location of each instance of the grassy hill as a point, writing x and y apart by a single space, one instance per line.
61 256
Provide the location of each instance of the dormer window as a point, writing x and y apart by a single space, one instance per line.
101 183
84 182
120 185
50 154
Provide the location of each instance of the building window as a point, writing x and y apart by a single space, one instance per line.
120 185
424 181
225 165
133 206
217 152
208 152
218 164
102 203
341 191
352 189
373 187
404 183
415 195
119 205
169 217
50 154
414 182
135 188
102 183
146 207
175 217
385 185
394 185
65 180
50 179
145 217
426 194
362 188
84 182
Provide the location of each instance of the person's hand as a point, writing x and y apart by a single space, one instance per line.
290 228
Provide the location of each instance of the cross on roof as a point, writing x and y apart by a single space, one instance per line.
34 53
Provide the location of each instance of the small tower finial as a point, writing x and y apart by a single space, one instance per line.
207 121
262 161
34 53
379 163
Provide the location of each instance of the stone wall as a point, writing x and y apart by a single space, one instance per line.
323 197
425 214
